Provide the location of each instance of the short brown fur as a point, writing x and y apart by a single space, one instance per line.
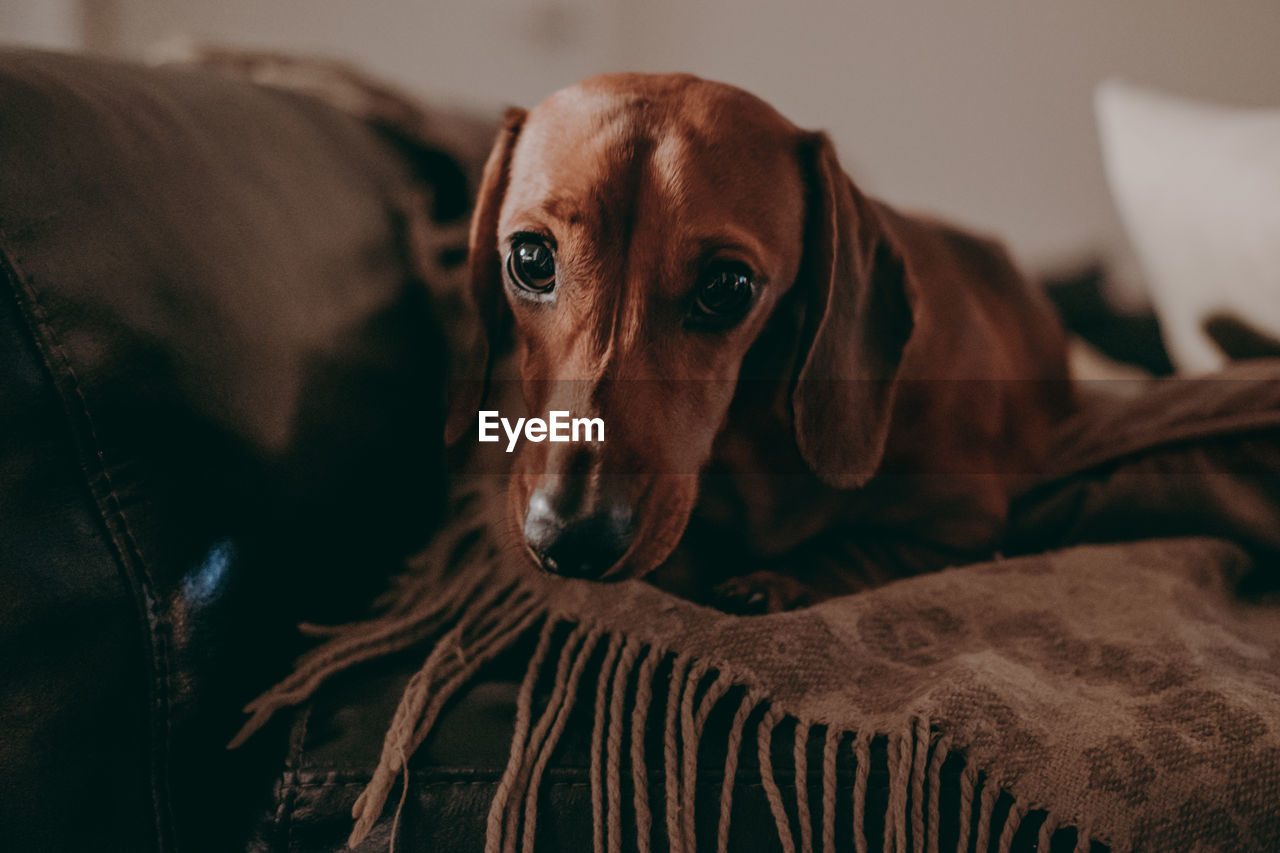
880 345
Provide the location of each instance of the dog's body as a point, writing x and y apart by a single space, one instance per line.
787 369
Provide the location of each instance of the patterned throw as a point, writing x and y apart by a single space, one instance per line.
1124 693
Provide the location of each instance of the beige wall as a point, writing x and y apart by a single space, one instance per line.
50 24
980 110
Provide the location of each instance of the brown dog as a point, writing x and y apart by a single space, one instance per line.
805 390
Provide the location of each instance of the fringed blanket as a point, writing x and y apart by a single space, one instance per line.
1123 693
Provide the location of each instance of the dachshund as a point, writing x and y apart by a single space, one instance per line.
805 392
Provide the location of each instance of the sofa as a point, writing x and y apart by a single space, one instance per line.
222 397
226 320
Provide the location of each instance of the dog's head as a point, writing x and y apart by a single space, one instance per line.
639 234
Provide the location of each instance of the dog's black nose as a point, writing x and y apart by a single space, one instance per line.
581 545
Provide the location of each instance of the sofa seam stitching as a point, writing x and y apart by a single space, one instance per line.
126 543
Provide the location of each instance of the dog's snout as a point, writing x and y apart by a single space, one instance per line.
585 543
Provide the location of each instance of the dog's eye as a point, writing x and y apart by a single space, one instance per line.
724 295
532 266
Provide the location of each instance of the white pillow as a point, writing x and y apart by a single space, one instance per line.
1198 188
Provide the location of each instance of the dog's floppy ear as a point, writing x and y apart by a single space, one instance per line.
857 321
467 392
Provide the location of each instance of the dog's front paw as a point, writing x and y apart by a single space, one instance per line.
762 592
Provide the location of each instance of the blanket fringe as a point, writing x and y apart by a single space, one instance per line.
900 762
639 766
521 765
940 752
800 761
671 751
986 812
1047 828
613 777
719 688
830 757
733 747
598 744
346 648
555 717
456 658
688 739
523 721
476 615
968 785
1082 839
923 739
1012 823
862 773
764 738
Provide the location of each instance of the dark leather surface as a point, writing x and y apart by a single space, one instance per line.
73 671
222 406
